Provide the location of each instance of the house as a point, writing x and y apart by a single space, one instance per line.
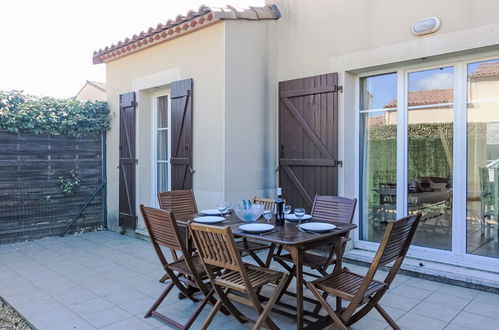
92 91
327 97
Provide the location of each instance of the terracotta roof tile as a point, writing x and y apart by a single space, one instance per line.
425 97
194 20
490 69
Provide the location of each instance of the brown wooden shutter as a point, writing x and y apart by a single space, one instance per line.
181 119
127 211
308 138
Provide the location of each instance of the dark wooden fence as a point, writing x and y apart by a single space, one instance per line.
32 203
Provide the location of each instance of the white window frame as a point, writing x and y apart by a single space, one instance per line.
458 254
154 149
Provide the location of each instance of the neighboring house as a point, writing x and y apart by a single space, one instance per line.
92 91
319 96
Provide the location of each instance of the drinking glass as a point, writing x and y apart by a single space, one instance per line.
222 207
299 212
267 215
287 210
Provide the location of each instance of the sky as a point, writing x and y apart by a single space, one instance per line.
46 46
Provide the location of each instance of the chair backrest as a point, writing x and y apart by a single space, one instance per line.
180 202
333 208
162 228
268 203
216 246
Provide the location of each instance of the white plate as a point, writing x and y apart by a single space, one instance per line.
211 212
209 219
256 228
293 217
318 227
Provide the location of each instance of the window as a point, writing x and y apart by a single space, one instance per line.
429 143
162 144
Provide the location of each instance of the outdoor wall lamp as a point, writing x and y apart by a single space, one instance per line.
425 26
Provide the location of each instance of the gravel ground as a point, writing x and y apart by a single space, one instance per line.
10 319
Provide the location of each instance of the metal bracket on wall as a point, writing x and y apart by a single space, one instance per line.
338 163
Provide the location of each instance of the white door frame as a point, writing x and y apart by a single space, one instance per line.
458 254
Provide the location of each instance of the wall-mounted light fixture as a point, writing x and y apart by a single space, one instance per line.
425 26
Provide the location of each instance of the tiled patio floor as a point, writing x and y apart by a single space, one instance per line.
105 280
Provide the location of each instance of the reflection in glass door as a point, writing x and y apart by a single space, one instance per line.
378 154
482 225
430 116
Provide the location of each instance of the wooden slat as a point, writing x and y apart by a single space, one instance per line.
31 201
308 138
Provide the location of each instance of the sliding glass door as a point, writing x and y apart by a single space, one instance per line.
430 129
429 143
482 237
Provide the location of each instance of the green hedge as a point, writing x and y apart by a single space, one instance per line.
20 112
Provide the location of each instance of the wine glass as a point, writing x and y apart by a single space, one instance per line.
299 212
287 210
267 215
222 207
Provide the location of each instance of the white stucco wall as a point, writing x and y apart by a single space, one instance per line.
199 56
250 111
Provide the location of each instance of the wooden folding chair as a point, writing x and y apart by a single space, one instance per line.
186 270
183 204
252 247
217 248
365 291
326 209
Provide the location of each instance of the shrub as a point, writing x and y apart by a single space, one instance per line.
20 112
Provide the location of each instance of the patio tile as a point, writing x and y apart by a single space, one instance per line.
483 309
488 298
132 323
423 284
435 311
368 323
88 307
411 292
458 291
441 299
455 327
397 301
418 322
46 319
475 321
106 317
138 306
395 313
123 296
75 324
75 297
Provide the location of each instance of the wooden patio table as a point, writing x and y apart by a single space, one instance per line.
295 241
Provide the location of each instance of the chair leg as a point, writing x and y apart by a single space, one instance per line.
269 256
164 278
337 320
210 316
287 283
222 294
271 302
200 308
159 300
256 258
386 316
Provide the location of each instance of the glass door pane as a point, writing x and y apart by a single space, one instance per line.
430 105
162 136
378 154
483 159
